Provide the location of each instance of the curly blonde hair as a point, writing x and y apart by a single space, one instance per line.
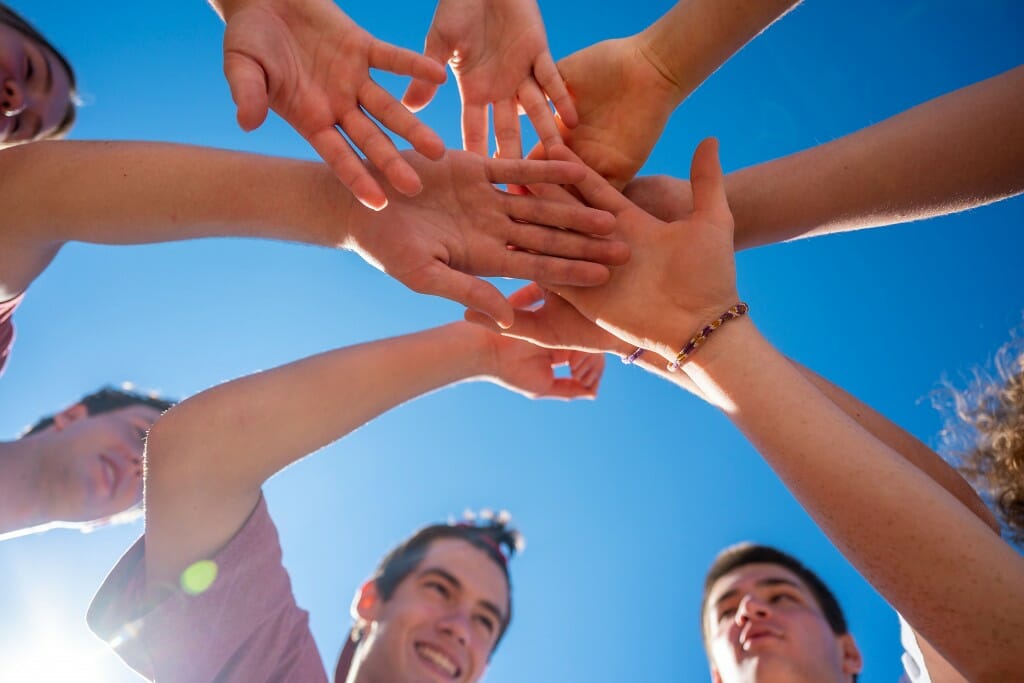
983 436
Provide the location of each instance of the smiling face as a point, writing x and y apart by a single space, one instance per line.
35 89
763 624
91 466
441 623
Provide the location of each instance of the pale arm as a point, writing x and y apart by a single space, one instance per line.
921 548
459 225
927 553
953 153
137 193
208 457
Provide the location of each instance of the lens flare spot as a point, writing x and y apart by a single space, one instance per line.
199 577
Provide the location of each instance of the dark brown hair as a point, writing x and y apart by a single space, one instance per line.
743 554
493 536
104 401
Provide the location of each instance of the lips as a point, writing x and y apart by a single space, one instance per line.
751 635
438 661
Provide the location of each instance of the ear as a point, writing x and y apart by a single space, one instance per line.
70 415
366 603
853 662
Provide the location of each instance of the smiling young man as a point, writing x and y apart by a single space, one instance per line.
204 596
766 617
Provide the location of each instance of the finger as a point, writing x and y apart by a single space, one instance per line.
550 79
524 172
506 130
440 280
535 104
559 213
556 242
707 182
553 193
596 191
526 297
380 151
553 270
346 164
248 84
394 116
528 326
567 389
420 92
474 128
399 60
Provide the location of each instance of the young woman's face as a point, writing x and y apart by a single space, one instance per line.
35 89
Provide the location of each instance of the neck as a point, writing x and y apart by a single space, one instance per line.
25 494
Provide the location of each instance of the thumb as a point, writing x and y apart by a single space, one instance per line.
248 83
707 183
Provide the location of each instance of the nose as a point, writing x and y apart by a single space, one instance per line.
456 626
751 607
12 98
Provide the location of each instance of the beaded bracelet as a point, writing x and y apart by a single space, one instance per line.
696 341
633 357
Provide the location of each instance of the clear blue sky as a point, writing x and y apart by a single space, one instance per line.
625 500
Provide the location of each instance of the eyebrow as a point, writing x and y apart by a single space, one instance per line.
772 581
450 578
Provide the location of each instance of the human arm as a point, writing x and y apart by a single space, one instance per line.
926 552
498 50
957 152
953 153
310 63
208 457
625 89
135 193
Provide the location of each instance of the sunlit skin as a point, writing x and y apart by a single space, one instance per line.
450 607
90 468
764 625
35 89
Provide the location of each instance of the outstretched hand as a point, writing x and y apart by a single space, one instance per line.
623 103
461 225
681 274
499 53
528 369
310 63
554 324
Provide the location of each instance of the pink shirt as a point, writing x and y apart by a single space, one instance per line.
245 628
7 328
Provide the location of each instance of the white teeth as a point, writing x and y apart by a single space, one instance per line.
438 658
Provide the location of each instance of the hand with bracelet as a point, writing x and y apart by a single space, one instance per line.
845 468
681 275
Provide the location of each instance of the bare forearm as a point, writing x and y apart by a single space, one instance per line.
903 443
209 456
908 536
956 152
696 37
140 192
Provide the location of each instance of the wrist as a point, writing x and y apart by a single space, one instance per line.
653 46
718 355
475 346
